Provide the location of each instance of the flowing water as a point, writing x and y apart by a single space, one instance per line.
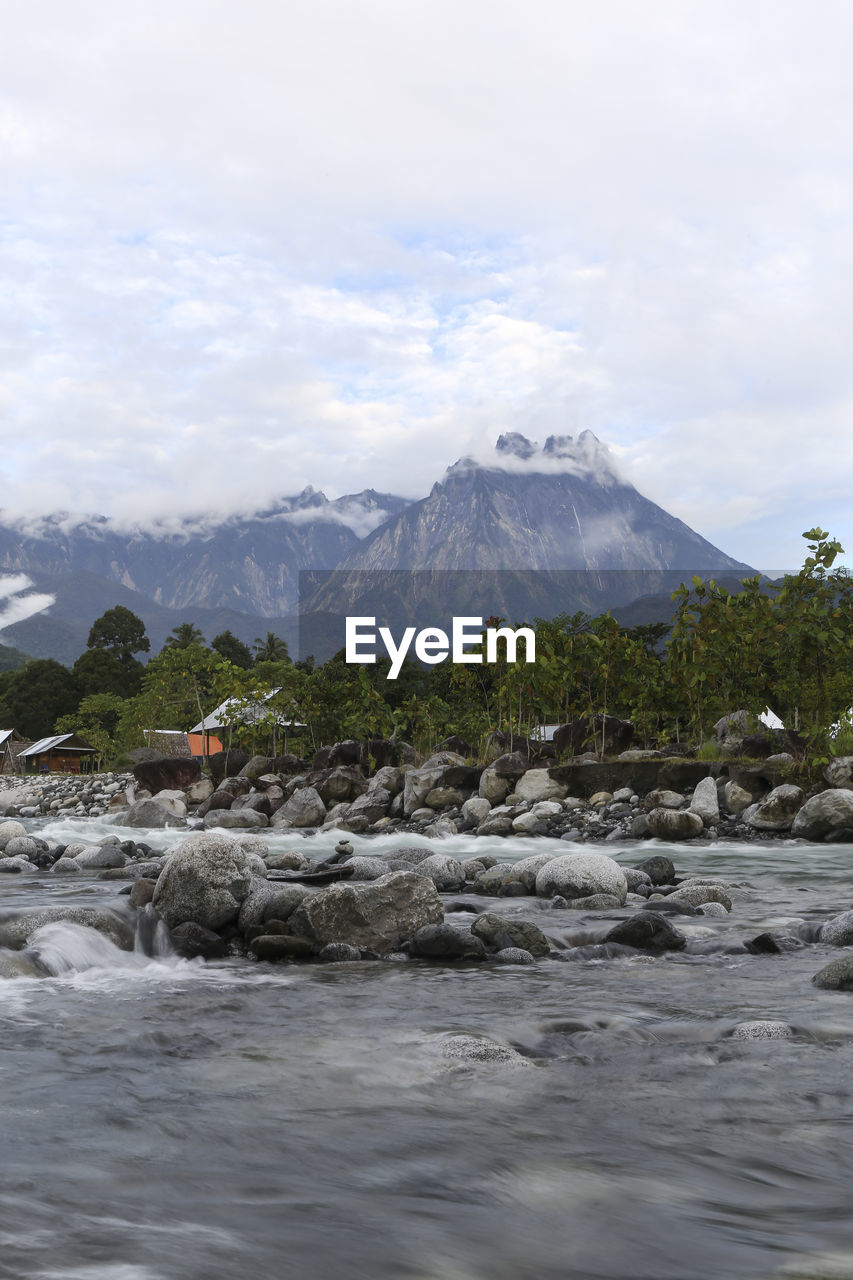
170 1120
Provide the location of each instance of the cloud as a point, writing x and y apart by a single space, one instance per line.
18 607
344 245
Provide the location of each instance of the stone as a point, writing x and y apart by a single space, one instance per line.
661 798
142 891
500 931
173 800
198 792
839 930
379 916
372 805
206 879
823 814
101 856
389 778
600 798
15 933
418 783
839 772
284 900
443 798
594 902
837 975
170 773
675 824
695 895
148 813
236 819
192 941
444 942
513 955
525 870
647 932
476 810
366 868
497 824
581 875
66 867
447 874
635 878
479 1049
705 802
760 1030
493 787
21 847
736 797
776 812
277 947
537 784
255 905
338 953
303 809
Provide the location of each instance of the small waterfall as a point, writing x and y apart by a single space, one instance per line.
61 947
152 936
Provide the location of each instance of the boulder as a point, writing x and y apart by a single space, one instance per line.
776 812
824 815
379 916
446 873
696 895
100 856
537 784
838 931
661 798
303 809
647 932
173 800
498 932
417 785
837 975
199 791
15 933
148 813
493 787
226 764
171 773
192 941
675 824
9 830
372 805
705 802
581 875
658 868
444 942
205 879
736 797
839 772
236 819
476 810
513 764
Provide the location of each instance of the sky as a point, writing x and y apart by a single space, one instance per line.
250 247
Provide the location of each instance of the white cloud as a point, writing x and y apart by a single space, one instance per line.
18 607
248 249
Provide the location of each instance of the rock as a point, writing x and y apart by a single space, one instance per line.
338 953
372 805
142 891
236 819
581 875
476 810
594 902
205 879
444 942
9 830
499 931
192 941
389 778
255 906
537 784
513 955
675 824
837 975
66 867
446 873
198 792
366 868
705 802
174 801
776 812
284 900
21 847
647 932
496 824
839 772
303 809
660 798
15 932
762 1031
824 814
736 797
418 783
512 765
636 878
443 798
493 787
764 944
379 916
277 947
839 930
695 895
148 813
289 861
479 1049
101 856
170 773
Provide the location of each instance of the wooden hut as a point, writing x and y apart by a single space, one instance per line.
11 745
61 753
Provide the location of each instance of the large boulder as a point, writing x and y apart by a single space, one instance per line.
498 932
148 813
839 772
303 809
493 787
418 783
838 931
9 830
705 802
776 812
647 931
581 875
537 784
827 814
227 764
205 879
379 915
675 824
171 773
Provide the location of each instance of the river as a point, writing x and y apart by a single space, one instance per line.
174 1120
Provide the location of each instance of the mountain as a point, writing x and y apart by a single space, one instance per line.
540 530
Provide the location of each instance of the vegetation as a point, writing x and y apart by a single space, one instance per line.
787 647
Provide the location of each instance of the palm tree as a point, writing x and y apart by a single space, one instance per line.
183 636
273 649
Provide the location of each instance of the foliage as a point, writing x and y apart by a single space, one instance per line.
185 635
121 633
227 644
96 719
36 695
271 649
100 671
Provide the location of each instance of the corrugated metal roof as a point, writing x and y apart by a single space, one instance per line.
5 734
50 744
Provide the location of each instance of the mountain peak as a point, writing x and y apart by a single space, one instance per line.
513 451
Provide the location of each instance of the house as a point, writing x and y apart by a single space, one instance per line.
61 753
251 712
173 742
11 745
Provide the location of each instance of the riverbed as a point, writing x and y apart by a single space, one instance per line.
166 1119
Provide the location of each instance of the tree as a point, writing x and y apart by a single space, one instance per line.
184 635
100 671
121 633
272 649
96 719
37 695
233 649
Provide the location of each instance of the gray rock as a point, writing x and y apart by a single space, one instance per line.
499 931
663 799
254 907
417 785
635 877
284 900
647 932
737 799
9 830
192 941
537 784
205 879
759 1030
581 875
675 824
776 812
839 772
476 810
366 868
21 847
236 819
696 895
497 824
824 814
837 975
338 953
444 942
479 1049
101 856
66 867
513 955
379 916
303 809
705 802
494 787
15 933
595 902
148 813
839 930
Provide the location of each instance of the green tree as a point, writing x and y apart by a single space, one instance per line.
36 695
271 649
96 719
184 636
233 649
121 633
100 671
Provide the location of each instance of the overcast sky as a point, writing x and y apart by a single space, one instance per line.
249 247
